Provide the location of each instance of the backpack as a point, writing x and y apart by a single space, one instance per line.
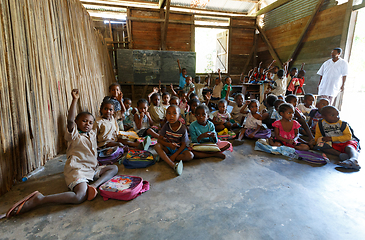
115 156
136 158
342 128
122 187
312 157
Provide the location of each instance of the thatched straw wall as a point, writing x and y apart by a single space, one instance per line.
47 48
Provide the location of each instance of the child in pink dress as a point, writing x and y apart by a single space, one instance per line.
286 129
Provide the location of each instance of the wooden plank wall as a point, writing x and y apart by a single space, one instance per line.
47 48
241 42
324 35
147 35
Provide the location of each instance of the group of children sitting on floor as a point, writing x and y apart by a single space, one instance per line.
188 113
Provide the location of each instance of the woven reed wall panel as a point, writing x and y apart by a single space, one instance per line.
47 48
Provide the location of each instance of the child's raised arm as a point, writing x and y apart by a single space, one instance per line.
178 63
155 90
271 64
302 68
119 98
173 91
72 111
219 75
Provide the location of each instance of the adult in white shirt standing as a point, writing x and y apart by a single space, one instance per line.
333 74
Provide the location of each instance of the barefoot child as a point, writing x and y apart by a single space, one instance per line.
190 116
338 138
173 140
106 128
254 123
307 105
143 121
165 100
286 129
222 118
203 131
80 168
239 111
116 96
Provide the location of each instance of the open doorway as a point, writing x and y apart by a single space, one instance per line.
211 47
354 94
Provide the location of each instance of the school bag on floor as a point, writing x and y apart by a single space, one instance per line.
122 187
136 158
115 156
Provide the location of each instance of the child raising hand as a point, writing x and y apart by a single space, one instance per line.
81 166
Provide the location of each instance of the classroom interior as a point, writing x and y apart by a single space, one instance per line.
50 47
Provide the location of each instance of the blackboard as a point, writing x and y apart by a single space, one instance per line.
148 67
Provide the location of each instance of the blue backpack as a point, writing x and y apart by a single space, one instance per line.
138 159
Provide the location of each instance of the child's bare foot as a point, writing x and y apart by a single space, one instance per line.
91 192
26 204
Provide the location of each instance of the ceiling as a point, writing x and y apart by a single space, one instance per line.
232 6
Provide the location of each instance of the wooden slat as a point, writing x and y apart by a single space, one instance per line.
271 49
306 28
271 7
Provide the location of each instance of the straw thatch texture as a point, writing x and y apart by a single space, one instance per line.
47 48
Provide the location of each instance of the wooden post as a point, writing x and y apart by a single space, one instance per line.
192 35
166 24
305 30
129 29
271 49
348 30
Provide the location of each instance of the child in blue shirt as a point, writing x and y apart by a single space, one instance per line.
203 131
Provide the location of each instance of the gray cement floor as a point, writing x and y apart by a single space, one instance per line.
249 195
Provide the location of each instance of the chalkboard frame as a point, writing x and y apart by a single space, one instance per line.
148 67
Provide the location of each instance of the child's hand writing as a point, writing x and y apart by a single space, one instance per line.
75 94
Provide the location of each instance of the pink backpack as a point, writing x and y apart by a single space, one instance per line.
123 187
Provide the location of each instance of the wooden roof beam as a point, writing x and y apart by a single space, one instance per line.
271 49
162 4
165 25
305 30
272 7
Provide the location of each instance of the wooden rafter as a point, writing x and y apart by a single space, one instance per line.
271 49
271 7
161 3
165 25
305 30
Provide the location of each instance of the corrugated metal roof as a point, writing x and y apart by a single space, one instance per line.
219 5
292 11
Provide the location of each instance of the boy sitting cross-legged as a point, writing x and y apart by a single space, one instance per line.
173 140
335 137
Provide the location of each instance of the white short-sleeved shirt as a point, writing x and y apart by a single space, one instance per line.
217 89
236 112
332 73
251 122
281 84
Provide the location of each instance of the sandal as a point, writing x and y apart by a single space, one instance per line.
179 168
350 164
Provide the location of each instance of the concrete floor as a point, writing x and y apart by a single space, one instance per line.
249 195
